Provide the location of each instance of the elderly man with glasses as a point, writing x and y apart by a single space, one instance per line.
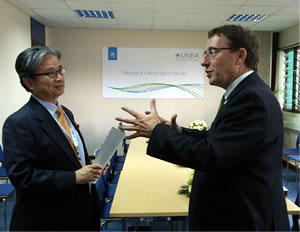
45 155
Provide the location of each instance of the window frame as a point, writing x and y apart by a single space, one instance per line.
295 90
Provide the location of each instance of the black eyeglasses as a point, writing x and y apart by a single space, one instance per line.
212 52
53 74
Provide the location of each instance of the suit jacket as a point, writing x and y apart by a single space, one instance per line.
237 183
41 165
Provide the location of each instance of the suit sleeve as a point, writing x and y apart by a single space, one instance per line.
22 161
195 133
236 136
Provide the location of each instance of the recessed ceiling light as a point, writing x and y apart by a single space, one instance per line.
102 14
246 17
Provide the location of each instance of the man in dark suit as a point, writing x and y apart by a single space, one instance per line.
237 183
46 161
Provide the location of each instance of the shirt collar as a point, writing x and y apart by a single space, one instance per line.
48 105
235 83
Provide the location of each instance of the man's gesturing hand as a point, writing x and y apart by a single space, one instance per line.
142 124
171 124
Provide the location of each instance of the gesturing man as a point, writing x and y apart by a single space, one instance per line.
237 182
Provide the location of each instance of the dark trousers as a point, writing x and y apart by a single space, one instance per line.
296 217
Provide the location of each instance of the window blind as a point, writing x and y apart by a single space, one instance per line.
292 80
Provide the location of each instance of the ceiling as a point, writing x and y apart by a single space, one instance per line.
199 15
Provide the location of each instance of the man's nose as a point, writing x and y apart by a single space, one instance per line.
205 61
59 76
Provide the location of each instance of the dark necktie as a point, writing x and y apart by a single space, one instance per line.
221 103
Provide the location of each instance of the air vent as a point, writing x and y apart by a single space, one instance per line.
102 14
246 18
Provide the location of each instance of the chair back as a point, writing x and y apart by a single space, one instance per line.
113 160
3 174
1 155
121 124
124 144
100 188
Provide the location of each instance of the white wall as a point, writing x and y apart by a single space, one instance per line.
81 51
14 37
265 52
289 36
81 54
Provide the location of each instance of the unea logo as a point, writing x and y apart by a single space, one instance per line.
187 56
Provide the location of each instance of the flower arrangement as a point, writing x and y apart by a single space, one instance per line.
186 189
198 124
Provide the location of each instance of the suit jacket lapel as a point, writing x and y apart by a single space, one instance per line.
252 77
52 129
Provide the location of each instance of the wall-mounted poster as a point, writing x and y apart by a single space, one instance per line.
152 72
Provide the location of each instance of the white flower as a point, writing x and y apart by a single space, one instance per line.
198 124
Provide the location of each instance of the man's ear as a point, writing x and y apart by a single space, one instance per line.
28 82
242 56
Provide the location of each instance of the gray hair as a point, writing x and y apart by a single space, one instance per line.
29 60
